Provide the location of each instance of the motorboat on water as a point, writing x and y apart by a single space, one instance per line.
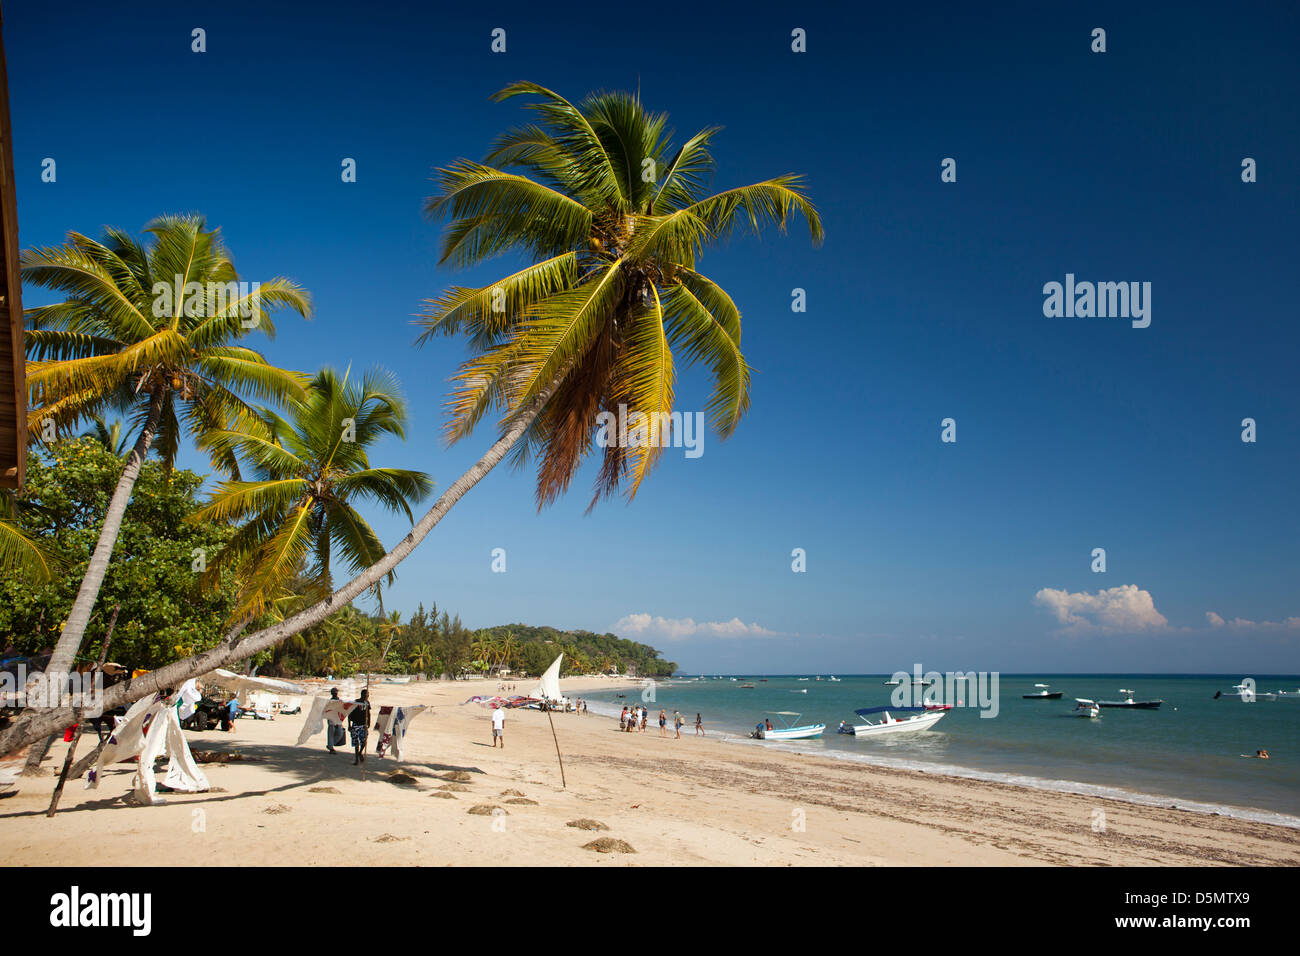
921 718
746 686
788 730
1129 703
1083 707
1043 694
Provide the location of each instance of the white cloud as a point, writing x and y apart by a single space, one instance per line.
1123 609
675 629
1241 624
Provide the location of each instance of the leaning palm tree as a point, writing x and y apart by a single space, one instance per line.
149 327
310 469
615 220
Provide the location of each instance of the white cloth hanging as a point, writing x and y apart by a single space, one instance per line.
323 709
150 729
392 726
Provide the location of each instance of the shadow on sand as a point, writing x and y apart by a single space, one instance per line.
299 766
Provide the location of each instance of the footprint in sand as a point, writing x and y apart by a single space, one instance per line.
324 790
443 794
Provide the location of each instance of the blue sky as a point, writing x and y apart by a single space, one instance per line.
924 303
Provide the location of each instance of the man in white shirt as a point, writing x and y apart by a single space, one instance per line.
499 727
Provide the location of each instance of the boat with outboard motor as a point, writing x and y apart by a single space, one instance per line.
789 730
1083 707
1043 694
922 718
1129 703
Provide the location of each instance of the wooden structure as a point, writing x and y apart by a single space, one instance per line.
13 384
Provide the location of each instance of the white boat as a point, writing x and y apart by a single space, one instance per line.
1086 708
548 687
920 719
1288 693
790 731
836 679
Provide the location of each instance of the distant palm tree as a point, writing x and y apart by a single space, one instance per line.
170 361
481 650
422 658
509 649
115 437
309 469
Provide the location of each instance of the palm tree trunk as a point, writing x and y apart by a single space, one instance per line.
65 650
75 629
30 727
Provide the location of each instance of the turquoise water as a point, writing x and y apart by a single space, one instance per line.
1187 752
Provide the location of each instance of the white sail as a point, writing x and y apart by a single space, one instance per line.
548 688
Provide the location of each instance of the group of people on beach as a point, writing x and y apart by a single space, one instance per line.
636 717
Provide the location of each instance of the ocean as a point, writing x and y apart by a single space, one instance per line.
1186 753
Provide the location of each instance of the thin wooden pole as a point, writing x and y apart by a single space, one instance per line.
563 785
80 722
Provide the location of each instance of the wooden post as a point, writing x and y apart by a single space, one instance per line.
76 734
563 784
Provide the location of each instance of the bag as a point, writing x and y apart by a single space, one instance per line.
338 736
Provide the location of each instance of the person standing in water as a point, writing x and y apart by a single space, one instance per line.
699 726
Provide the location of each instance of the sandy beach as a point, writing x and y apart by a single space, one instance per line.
675 802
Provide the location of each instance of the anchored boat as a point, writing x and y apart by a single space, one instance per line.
1043 694
1083 707
1130 704
922 718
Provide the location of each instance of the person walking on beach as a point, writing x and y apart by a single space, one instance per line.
359 727
499 727
699 726
663 723
329 728
622 719
678 720
645 717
